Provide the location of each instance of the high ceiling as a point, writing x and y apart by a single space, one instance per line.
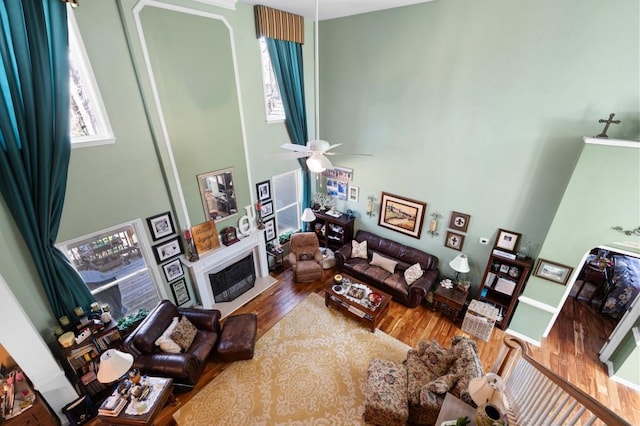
329 9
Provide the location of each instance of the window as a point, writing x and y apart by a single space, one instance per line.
286 196
272 100
114 267
88 118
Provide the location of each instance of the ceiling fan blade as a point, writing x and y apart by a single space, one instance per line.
332 146
348 153
290 155
294 147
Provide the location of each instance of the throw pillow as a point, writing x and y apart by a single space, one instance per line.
184 333
443 384
437 358
359 249
412 273
305 256
165 343
384 263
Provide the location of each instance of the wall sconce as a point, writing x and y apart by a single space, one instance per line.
433 226
370 202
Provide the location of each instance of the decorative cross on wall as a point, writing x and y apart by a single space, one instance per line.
606 127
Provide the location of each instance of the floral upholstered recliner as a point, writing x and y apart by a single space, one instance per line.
415 390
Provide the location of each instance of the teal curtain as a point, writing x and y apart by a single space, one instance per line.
286 57
34 138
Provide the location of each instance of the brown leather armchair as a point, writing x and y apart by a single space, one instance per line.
185 367
305 257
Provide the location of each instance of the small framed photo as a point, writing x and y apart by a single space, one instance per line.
553 271
507 240
180 292
161 225
353 193
264 190
270 229
504 268
266 209
454 241
167 250
459 221
173 270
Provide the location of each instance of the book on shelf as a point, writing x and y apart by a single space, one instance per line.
505 254
505 286
491 277
112 406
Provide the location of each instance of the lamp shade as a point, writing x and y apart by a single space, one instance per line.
113 365
487 390
307 215
460 263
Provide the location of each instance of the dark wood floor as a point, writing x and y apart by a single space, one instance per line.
570 350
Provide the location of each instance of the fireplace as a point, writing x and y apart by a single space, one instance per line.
250 251
233 280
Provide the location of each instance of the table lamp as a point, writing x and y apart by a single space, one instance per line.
460 264
488 394
113 365
307 216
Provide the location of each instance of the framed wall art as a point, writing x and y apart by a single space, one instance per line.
507 240
173 270
401 214
167 250
339 173
459 221
180 292
552 271
454 241
205 236
270 229
264 190
353 193
161 226
266 209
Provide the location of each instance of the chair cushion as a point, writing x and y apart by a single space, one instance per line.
437 358
165 342
412 273
305 256
387 264
184 333
443 384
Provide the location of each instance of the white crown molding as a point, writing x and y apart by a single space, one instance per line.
227 4
612 142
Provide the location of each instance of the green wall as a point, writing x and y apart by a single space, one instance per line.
476 106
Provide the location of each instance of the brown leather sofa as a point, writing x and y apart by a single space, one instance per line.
392 283
185 368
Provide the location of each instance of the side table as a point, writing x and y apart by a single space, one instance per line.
452 408
277 259
449 301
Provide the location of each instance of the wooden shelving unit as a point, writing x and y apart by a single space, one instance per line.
503 281
333 232
81 361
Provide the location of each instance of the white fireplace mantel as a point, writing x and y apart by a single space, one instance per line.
218 259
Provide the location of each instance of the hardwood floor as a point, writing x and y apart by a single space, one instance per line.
570 350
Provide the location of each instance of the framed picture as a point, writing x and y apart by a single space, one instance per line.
353 193
168 250
459 221
161 225
270 229
454 241
339 173
507 240
264 190
266 209
173 270
553 271
180 292
401 214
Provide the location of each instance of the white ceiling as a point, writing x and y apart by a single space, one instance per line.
329 9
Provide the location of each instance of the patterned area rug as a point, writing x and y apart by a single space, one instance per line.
309 369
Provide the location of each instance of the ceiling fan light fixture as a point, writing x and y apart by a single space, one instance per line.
315 163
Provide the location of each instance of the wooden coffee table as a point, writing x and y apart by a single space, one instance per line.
159 401
364 313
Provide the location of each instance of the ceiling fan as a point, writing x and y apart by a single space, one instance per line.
316 150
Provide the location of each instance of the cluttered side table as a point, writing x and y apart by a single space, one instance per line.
453 408
449 300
